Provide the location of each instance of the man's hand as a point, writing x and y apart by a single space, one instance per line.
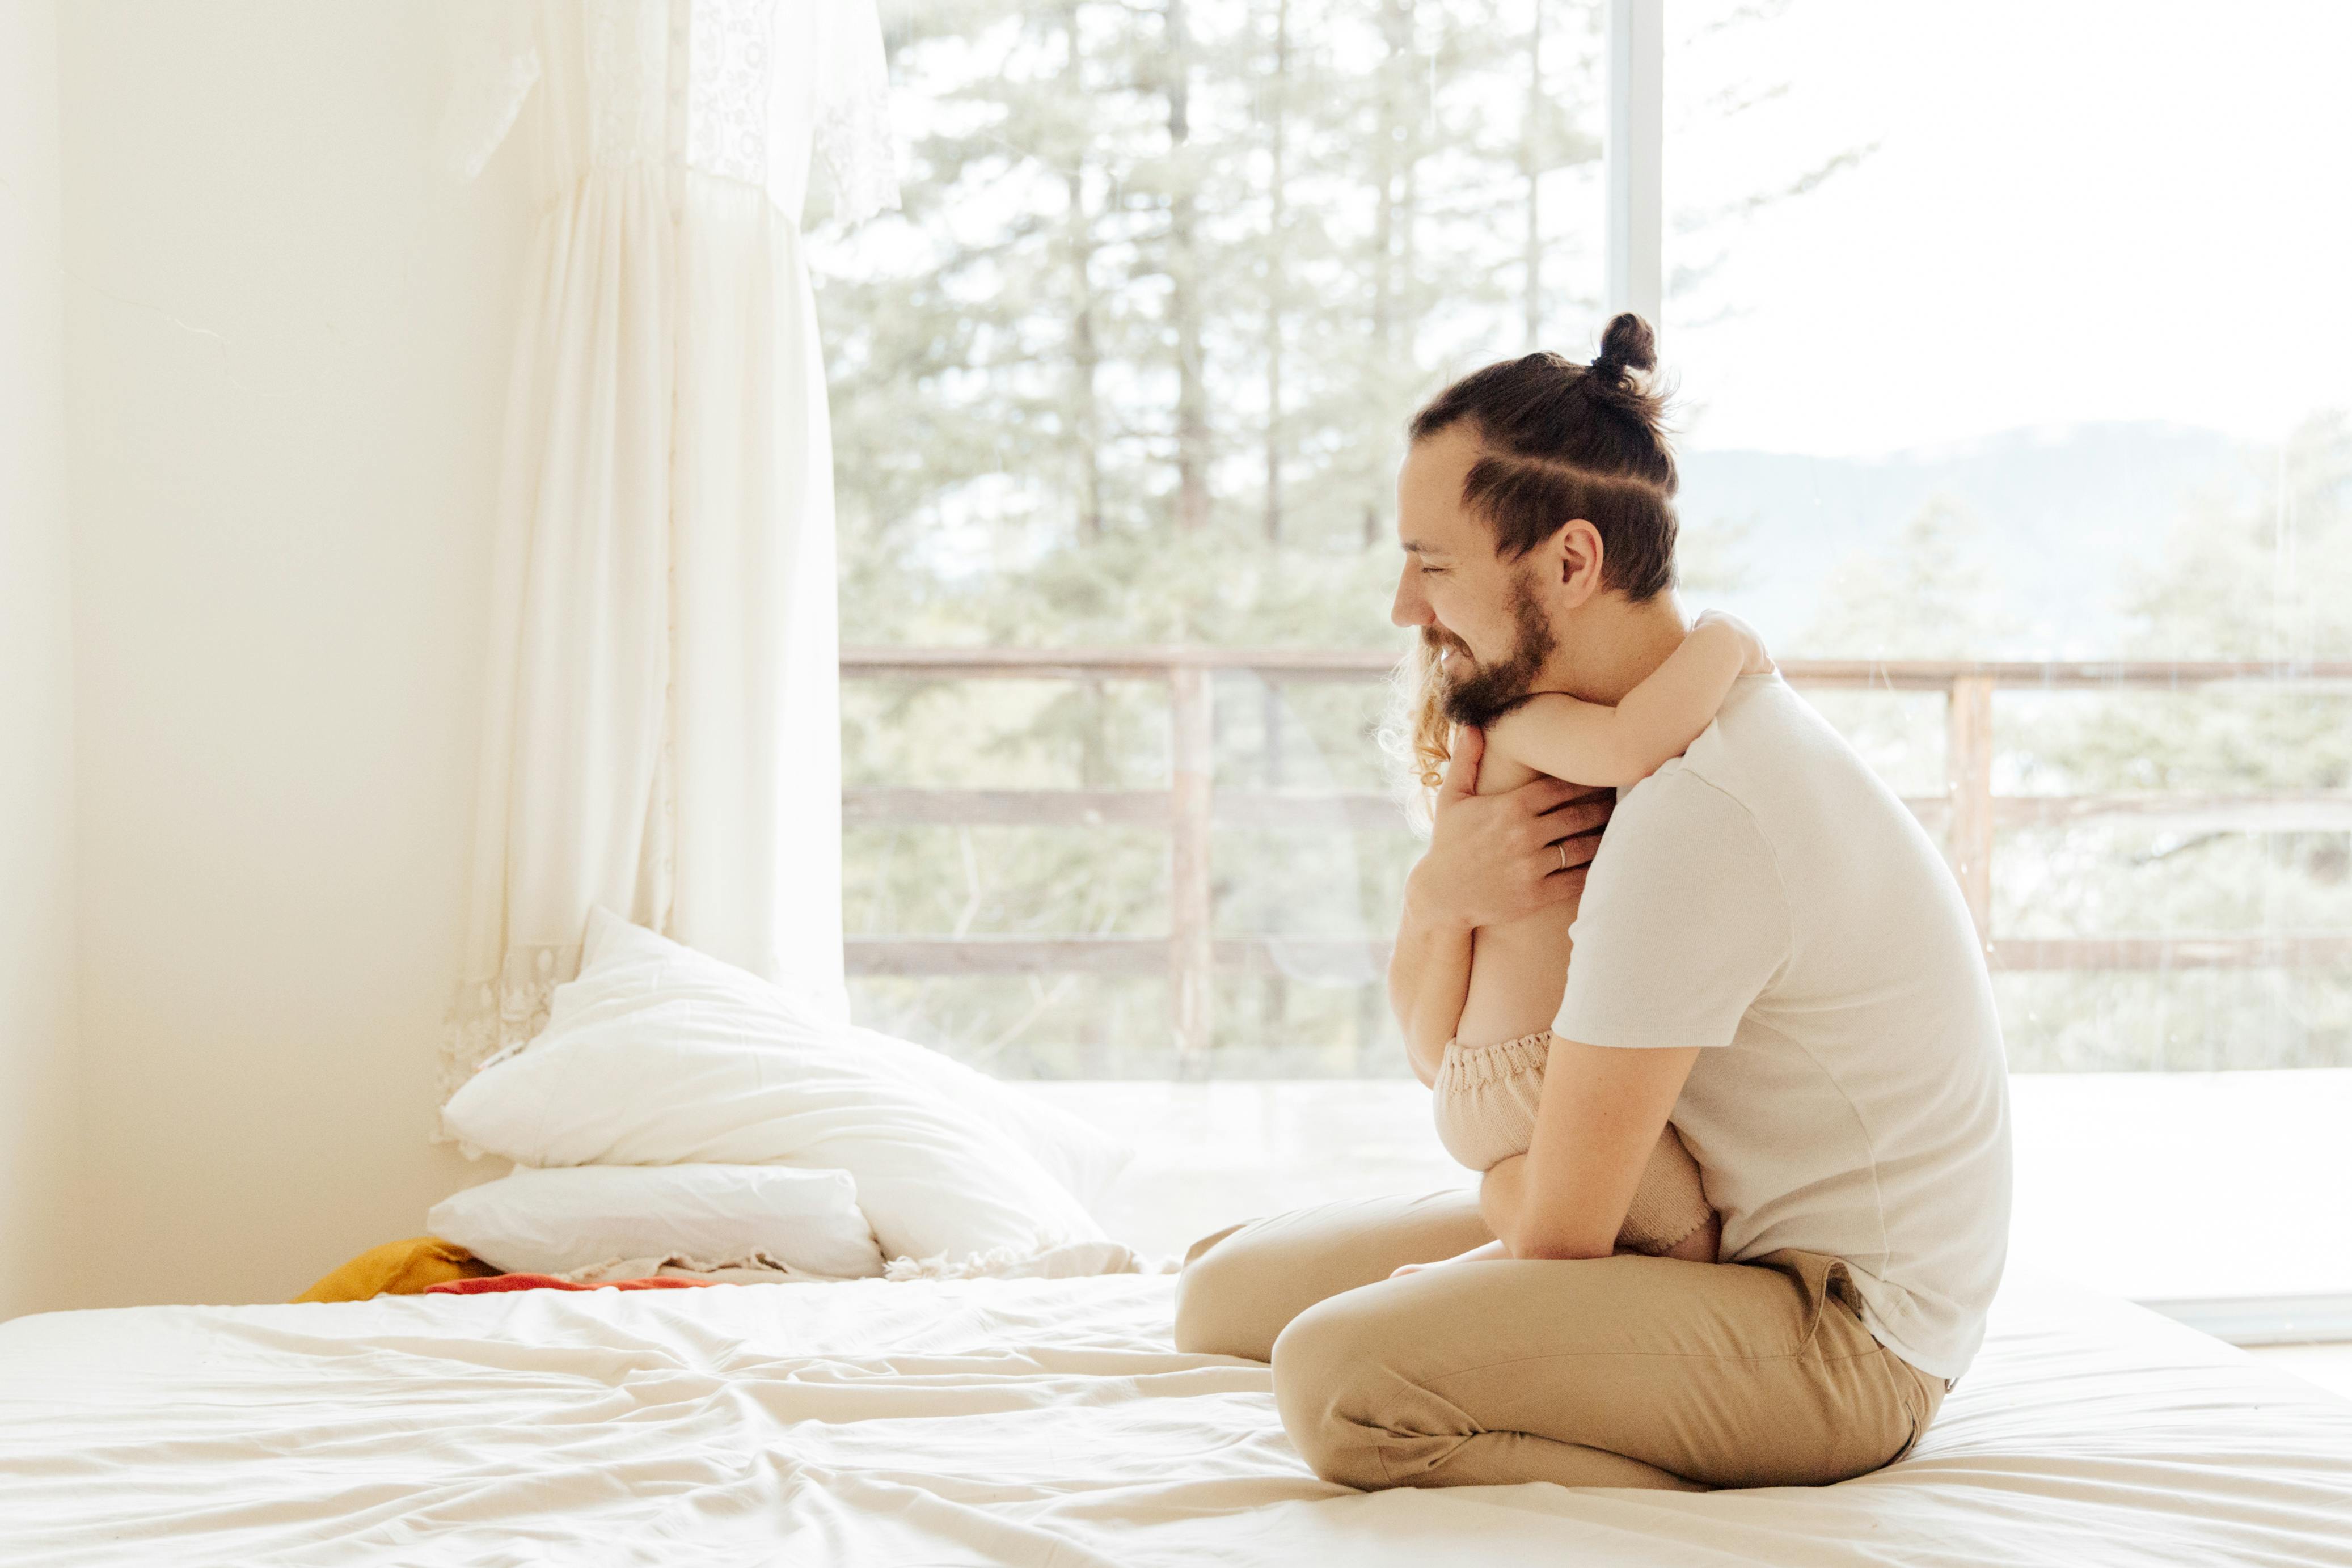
1493 857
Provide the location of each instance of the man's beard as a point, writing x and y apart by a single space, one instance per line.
1478 700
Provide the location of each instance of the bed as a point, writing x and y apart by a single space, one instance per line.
1039 1422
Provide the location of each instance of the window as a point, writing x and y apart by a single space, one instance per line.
1129 372
2012 341
2034 408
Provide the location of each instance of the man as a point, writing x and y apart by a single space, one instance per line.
1768 951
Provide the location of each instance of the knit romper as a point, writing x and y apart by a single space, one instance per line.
1486 1098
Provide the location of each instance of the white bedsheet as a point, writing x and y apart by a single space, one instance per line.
1039 1422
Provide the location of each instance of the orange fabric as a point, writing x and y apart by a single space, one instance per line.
549 1282
398 1268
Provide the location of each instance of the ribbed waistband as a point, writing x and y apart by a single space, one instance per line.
1503 1058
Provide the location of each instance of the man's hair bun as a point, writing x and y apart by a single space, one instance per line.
1558 440
1627 344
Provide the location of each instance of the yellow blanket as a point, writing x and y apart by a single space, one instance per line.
398 1268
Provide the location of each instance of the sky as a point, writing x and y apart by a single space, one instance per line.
2074 210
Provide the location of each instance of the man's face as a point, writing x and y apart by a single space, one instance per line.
1482 613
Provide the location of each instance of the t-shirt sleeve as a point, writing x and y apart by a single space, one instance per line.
1683 921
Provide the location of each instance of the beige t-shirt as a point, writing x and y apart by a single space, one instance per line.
1765 895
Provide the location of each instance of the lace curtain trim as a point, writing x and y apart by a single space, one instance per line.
627 46
726 87
719 56
491 1019
855 147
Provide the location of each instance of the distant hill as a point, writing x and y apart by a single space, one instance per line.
2064 508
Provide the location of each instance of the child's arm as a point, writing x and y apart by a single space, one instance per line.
1592 743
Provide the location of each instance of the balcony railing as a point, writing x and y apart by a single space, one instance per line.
1968 813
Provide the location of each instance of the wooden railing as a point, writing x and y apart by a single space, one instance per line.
1968 814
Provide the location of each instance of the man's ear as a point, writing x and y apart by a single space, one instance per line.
1577 558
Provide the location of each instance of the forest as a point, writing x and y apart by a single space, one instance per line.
1131 368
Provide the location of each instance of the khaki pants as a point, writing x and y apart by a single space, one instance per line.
1629 1371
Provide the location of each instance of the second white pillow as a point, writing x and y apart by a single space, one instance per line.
556 1221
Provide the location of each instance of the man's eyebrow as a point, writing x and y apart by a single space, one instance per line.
1420 547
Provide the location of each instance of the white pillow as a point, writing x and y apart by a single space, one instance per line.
556 1221
658 1055
1076 1153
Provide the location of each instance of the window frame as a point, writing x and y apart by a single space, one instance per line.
1634 154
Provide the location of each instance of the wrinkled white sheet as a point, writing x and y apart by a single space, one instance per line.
1039 1422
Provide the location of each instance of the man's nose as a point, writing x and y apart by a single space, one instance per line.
1411 608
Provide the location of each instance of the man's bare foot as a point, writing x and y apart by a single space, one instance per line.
1492 1249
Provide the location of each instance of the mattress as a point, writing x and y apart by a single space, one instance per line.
1040 1422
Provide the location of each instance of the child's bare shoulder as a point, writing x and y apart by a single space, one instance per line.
1754 660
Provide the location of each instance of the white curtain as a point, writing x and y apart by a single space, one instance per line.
661 731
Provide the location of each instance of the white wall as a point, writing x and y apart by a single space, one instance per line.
285 345
38 1132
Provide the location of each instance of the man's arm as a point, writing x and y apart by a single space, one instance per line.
1491 858
1597 1121
1692 925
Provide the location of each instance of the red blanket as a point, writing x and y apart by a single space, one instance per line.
549 1282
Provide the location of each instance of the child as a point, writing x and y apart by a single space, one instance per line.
1485 1093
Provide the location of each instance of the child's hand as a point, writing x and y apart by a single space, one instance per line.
1757 663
